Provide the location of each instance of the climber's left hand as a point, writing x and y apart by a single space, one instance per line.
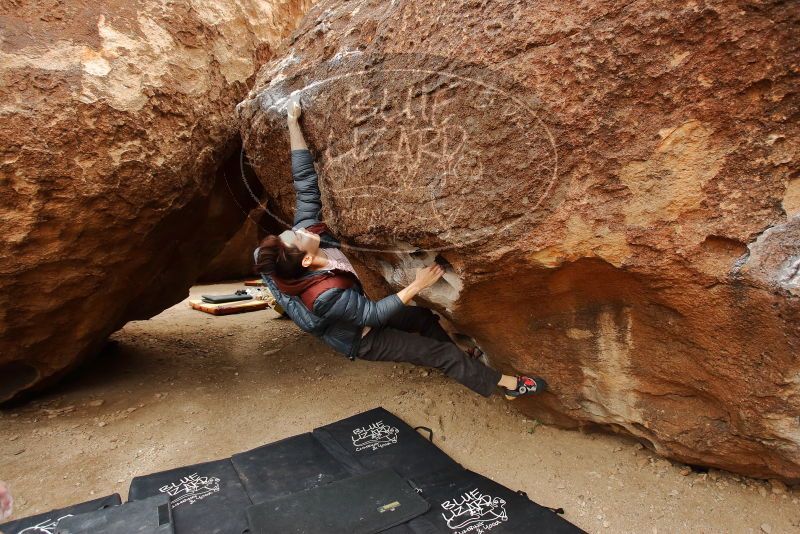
294 109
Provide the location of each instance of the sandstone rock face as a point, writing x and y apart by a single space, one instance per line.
235 260
611 183
117 121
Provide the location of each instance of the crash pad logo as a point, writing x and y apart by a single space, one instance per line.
374 436
48 526
190 489
474 512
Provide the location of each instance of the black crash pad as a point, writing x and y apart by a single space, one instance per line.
45 523
330 481
148 516
377 439
206 498
285 467
466 502
363 504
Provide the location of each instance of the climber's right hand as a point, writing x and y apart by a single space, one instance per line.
427 276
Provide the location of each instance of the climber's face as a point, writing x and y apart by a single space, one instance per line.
304 240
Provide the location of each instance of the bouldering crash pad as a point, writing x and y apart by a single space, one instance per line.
206 498
363 504
46 523
230 307
148 516
367 473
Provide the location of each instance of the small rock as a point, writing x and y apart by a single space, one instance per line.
778 487
15 437
766 527
425 373
131 409
638 447
762 491
55 412
96 403
606 524
101 424
685 471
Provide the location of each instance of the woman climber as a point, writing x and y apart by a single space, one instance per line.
319 290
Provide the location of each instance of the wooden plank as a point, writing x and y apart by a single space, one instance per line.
229 308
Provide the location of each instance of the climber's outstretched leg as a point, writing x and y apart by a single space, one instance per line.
392 344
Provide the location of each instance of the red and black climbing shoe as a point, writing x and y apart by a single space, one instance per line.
526 386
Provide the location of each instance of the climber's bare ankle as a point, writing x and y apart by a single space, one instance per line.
508 382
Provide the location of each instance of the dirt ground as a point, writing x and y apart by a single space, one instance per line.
186 387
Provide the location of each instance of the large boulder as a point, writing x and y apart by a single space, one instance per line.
235 260
611 183
119 147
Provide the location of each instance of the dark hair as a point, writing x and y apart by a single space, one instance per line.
274 256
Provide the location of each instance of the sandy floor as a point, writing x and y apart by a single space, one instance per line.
186 387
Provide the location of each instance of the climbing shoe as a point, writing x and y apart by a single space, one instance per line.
526 386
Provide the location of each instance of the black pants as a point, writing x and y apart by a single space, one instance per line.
414 335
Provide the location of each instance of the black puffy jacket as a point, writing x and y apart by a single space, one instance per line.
339 315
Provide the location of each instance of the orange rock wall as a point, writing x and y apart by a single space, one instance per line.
117 121
613 183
